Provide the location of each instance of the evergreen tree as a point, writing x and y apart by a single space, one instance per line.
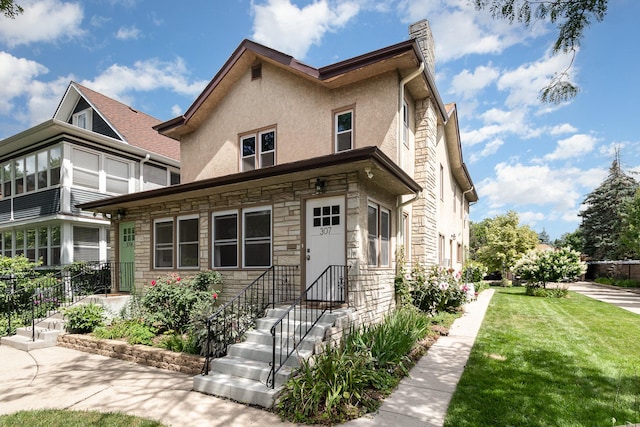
571 240
630 234
543 237
602 220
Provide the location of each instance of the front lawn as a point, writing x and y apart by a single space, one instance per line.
66 418
550 362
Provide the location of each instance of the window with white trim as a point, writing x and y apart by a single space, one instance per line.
83 119
176 236
343 130
86 243
258 150
256 238
7 179
117 176
225 239
188 239
379 232
37 244
18 171
405 123
86 169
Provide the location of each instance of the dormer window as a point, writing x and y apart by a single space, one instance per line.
82 119
258 150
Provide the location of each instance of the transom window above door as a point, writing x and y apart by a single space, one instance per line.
258 150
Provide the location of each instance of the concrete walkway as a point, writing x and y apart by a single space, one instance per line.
58 377
62 378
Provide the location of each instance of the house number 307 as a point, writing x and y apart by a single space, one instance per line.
325 230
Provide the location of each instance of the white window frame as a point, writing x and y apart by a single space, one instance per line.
405 123
258 153
83 119
338 133
216 242
379 244
116 178
251 240
180 245
81 168
165 245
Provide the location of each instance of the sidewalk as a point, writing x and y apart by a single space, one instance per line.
57 377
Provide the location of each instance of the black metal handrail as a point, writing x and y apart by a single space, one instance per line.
277 285
293 326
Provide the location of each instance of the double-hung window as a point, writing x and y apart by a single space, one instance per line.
225 239
86 169
258 150
343 131
117 174
82 119
7 179
179 238
379 232
249 241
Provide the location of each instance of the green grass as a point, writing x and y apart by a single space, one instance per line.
550 362
65 418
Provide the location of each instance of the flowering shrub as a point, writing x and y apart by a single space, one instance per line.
437 289
538 268
474 271
170 300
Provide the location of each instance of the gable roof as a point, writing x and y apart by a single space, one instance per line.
404 57
133 127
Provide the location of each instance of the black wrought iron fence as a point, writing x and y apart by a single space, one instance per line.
279 284
295 324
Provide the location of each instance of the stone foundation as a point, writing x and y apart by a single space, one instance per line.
141 354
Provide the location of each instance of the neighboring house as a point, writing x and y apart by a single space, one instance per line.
286 164
92 148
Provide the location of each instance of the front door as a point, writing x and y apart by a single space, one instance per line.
325 242
126 249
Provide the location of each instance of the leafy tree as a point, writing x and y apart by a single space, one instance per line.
477 236
573 240
602 220
10 8
572 17
543 237
506 242
630 232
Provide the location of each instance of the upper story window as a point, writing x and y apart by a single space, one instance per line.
100 172
82 119
405 124
32 172
258 150
343 130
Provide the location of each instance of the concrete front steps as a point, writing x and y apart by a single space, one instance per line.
242 374
47 331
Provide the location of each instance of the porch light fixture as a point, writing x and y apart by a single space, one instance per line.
368 172
320 186
120 214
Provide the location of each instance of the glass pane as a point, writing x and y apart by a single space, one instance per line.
30 169
188 230
7 240
268 159
268 141
54 164
19 174
86 236
344 141
85 160
249 146
117 186
257 224
188 255
257 254
85 178
55 176
42 179
372 226
31 238
55 256
117 168
248 164
384 238
154 177
55 235
19 241
344 121
43 237
225 255
225 227
164 232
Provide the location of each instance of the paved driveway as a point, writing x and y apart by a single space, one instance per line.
629 300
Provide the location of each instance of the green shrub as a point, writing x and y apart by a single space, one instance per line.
437 289
474 272
180 343
546 293
538 267
84 318
169 302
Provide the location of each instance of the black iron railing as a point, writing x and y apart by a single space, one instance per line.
279 284
293 326
38 296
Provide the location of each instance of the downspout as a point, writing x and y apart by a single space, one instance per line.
462 210
142 162
400 143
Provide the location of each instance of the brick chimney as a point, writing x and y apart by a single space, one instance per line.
421 32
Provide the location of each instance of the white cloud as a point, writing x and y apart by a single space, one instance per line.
521 185
128 33
176 110
44 98
16 76
42 21
531 218
119 81
286 27
467 84
563 128
489 149
574 146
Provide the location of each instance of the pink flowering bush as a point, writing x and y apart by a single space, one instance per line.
170 301
437 289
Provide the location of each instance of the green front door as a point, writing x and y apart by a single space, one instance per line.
127 255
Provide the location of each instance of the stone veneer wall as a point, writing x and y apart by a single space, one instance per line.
141 354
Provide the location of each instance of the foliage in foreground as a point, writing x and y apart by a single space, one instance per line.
550 362
84 318
66 418
622 283
350 379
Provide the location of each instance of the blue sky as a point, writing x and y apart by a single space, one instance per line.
537 159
